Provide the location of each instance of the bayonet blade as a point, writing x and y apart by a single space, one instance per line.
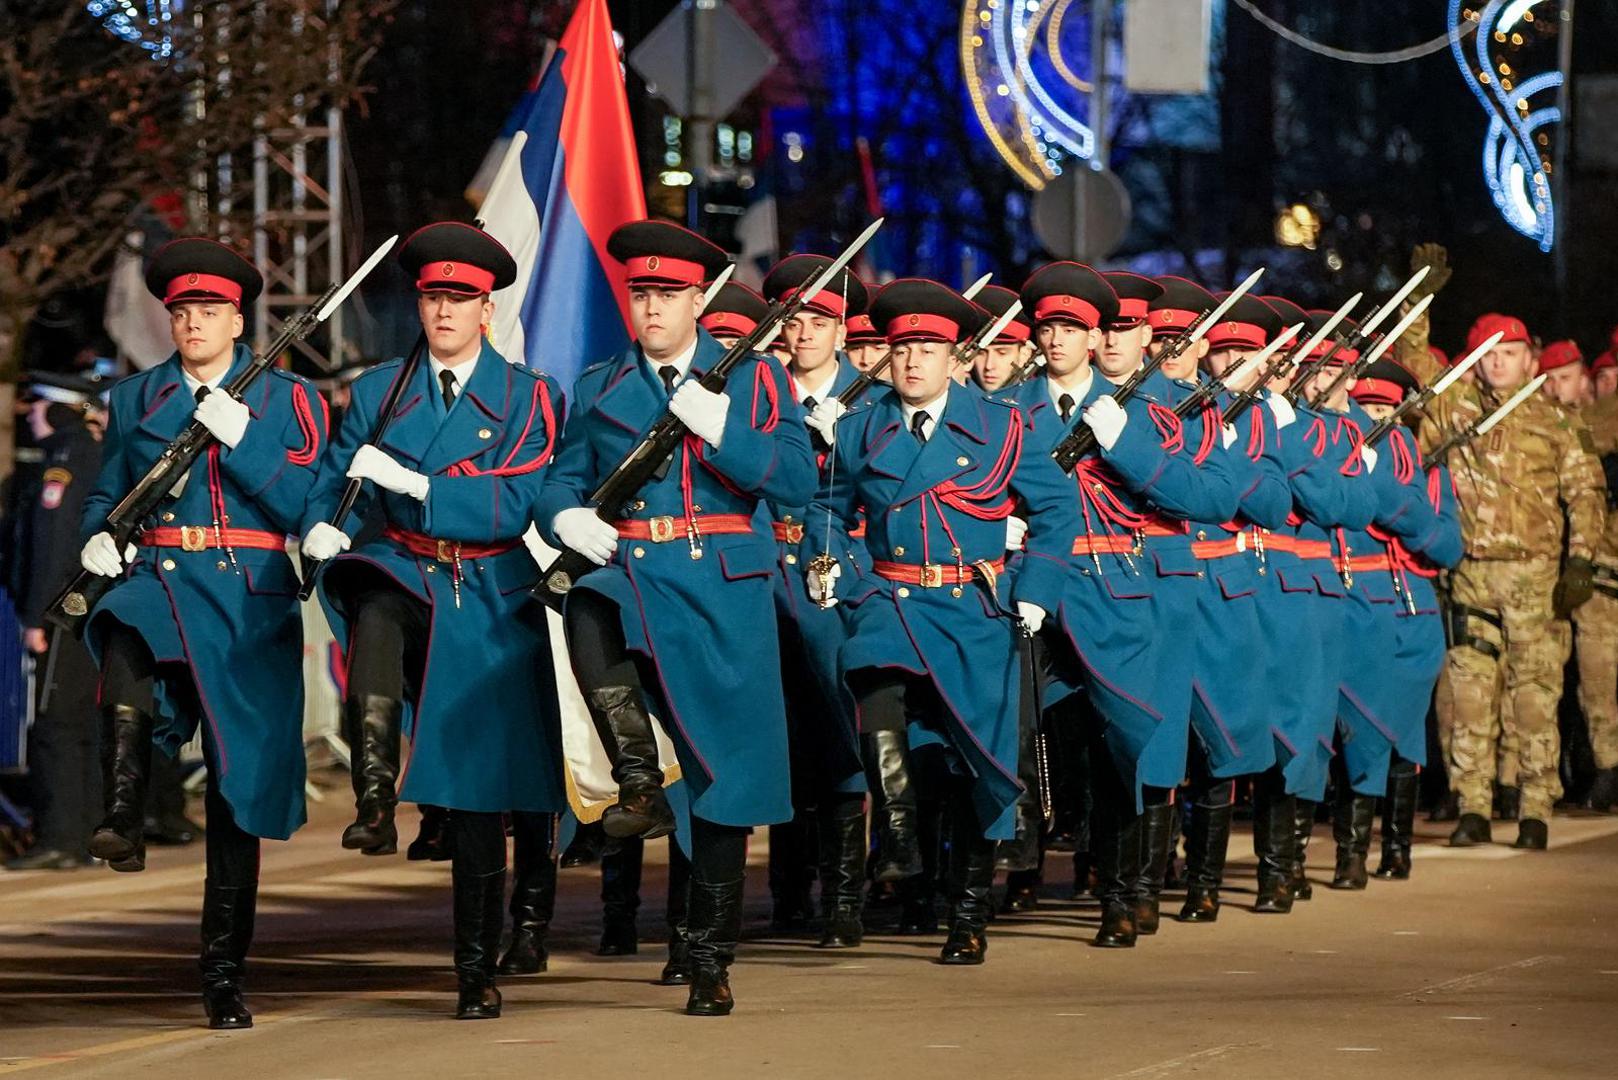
977 286
1224 305
1393 304
1449 378
354 282
1511 403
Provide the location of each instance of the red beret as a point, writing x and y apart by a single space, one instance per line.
1605 360
1439 354
1511 328
1560 354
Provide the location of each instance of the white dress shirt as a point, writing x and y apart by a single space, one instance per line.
1056 390
462 373
680 363
934 410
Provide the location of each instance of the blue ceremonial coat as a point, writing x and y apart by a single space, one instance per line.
1140 687
707 623
823 727
230 616
924 502
485 733
1383 696
1311 597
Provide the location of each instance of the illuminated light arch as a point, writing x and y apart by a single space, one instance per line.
1517 163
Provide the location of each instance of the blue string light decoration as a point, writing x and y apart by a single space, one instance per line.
146 23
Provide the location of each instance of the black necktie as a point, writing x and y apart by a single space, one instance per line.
916 423
202 392
668 373
809 404
446 379
1064 405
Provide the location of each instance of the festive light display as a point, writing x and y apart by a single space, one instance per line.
145 24
1514 37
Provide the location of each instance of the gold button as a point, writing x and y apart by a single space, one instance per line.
786 519
1261 569
695 509
485 433
956 592
221 565
961 461
168 564
640 552
1202 534
898 551
903 591
638 504
168 515
1085 570
1201 574
432 569
792 560
955 551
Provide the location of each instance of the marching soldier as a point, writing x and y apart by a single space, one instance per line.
65 739
828 781
937 467
734 312
1529 489
433 611
679 621
864 343
1597 620
1001 359
202 628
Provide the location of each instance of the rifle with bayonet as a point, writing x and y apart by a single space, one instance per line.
1420 401
1478 429
1363 363
646 458
1245 399
1355 340
127 520
1214 385
1082 439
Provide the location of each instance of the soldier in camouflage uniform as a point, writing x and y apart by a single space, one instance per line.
1597 621
1528 484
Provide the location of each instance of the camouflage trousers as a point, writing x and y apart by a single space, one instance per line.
1503 686
1597 644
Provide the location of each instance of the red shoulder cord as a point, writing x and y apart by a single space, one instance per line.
1213 427
1348 429
985 500
1170 432
540 406
311 434
693 447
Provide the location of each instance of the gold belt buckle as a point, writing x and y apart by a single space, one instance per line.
932 575
662 529
193 538
446 550
794 532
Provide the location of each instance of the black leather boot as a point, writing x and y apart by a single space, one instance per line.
1157 835
1022 891
227 931
1274 839
477 942
1603 793
1471 830
625 728
586 848
792 875
620 898
1021 853
1507 802
1448 809
432 838
714 925
126 763
887 770
1532 835
1207 841
1118 867
1352 819
1399 821
971 877
372 723
533 895
1303 828
677 968
842 873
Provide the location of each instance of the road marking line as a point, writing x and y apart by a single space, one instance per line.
1163 1068
1466 982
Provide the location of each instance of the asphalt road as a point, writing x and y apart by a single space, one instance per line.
1488 963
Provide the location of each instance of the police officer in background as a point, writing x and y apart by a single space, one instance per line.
66 737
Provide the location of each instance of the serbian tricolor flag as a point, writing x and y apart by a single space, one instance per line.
568 307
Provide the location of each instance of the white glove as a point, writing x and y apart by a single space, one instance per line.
1032 616
1228 435
1283 410
701 410
1016 529
224 417
1368 456
100 556
823 418
324 541
1107 419
376 466
581 529
823 596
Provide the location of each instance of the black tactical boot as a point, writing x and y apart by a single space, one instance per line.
1398 821
714 926
371 724
227 931
1157 835
1118 867
1206 842
1507 802
625 728
1532 835
1274 842
126 763
1352 819
842 873
971 877
887 770
1471 830
533 895
1603 794
477 942
792 875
